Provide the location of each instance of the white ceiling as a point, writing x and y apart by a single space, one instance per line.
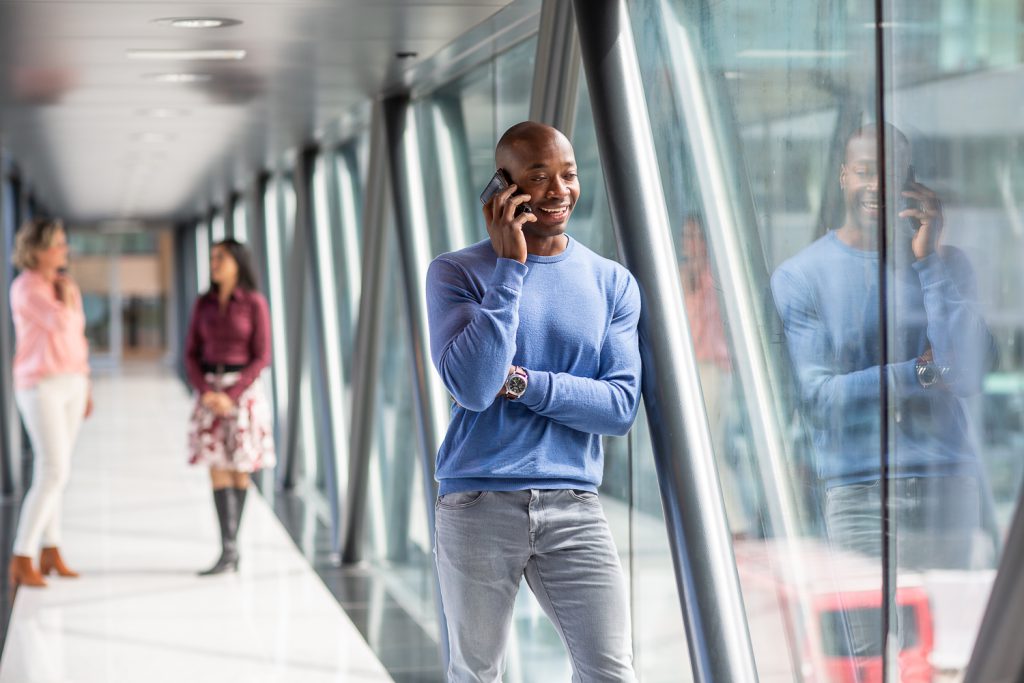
74 110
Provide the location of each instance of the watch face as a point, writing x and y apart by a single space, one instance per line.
516 385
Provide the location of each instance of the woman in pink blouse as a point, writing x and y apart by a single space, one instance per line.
51 381
227 348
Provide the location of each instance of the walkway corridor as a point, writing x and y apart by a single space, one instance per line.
138 524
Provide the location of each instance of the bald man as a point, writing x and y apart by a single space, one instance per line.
535 336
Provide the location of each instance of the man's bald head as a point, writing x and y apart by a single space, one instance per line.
526 135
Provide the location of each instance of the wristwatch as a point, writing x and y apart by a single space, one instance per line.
516 382
928 373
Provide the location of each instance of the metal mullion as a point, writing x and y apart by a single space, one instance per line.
295 296
368 344
432 406
556 72
728 207
329 382
9 424
705 567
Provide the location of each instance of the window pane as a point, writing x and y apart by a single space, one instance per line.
953 169
750 104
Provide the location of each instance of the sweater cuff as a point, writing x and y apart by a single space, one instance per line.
904 378
509 273
537 387
931 270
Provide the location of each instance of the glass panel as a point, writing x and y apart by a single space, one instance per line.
202 256
347 249
751 104
218 229
399 538
458 127
954 178
274 255
240 220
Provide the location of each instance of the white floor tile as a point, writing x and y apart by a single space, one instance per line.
138 524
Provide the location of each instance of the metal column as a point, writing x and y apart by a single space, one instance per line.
328 383
10 426
719 640
556 73
294 313
432 406
366 369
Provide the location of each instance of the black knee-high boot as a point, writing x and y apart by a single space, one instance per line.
228 512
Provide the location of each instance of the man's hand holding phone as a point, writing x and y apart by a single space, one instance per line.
925 208
505 217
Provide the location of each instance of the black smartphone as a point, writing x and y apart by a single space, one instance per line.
909 202
498 183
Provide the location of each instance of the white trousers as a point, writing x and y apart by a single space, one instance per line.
52 411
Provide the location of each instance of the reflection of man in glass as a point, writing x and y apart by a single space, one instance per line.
938 348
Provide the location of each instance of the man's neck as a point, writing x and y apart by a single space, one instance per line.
547 246
854 236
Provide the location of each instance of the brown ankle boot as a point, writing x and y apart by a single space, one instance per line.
22 573
50 559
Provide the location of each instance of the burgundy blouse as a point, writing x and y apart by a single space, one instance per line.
238 336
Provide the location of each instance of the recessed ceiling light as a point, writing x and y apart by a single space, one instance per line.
162 112
180 77
186 55
154 137
197 22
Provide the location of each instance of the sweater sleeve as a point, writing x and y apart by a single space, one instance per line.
473 337
259 348
194 353
605 404
957 332
824 391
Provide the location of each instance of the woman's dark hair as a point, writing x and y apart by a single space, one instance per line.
247 278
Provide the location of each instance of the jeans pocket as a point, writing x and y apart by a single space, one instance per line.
460 499
581 496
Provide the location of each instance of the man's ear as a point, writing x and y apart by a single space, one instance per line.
842 176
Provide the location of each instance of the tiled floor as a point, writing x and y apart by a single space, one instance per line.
138 524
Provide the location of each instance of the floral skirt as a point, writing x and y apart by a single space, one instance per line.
243 440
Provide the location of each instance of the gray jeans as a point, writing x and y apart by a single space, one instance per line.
487 540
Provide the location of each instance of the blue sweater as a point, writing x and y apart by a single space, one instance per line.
571 321
828 297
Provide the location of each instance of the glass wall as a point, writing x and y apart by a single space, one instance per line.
873 296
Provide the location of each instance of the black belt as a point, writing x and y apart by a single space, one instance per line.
221 368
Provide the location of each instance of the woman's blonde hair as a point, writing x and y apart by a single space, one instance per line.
33 235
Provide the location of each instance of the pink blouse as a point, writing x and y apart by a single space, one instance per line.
50 335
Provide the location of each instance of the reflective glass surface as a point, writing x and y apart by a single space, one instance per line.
847 355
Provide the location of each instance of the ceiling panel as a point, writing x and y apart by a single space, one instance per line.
77 114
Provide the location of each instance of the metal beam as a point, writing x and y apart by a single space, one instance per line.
294 314
432 403
705 567
556 73
9 424
998 656
366 368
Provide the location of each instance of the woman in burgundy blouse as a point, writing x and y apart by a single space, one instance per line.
227 348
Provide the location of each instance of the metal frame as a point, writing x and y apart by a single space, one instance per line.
327 384
705 567
10 430
431 400
294 313
368 344
556 72
997 655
